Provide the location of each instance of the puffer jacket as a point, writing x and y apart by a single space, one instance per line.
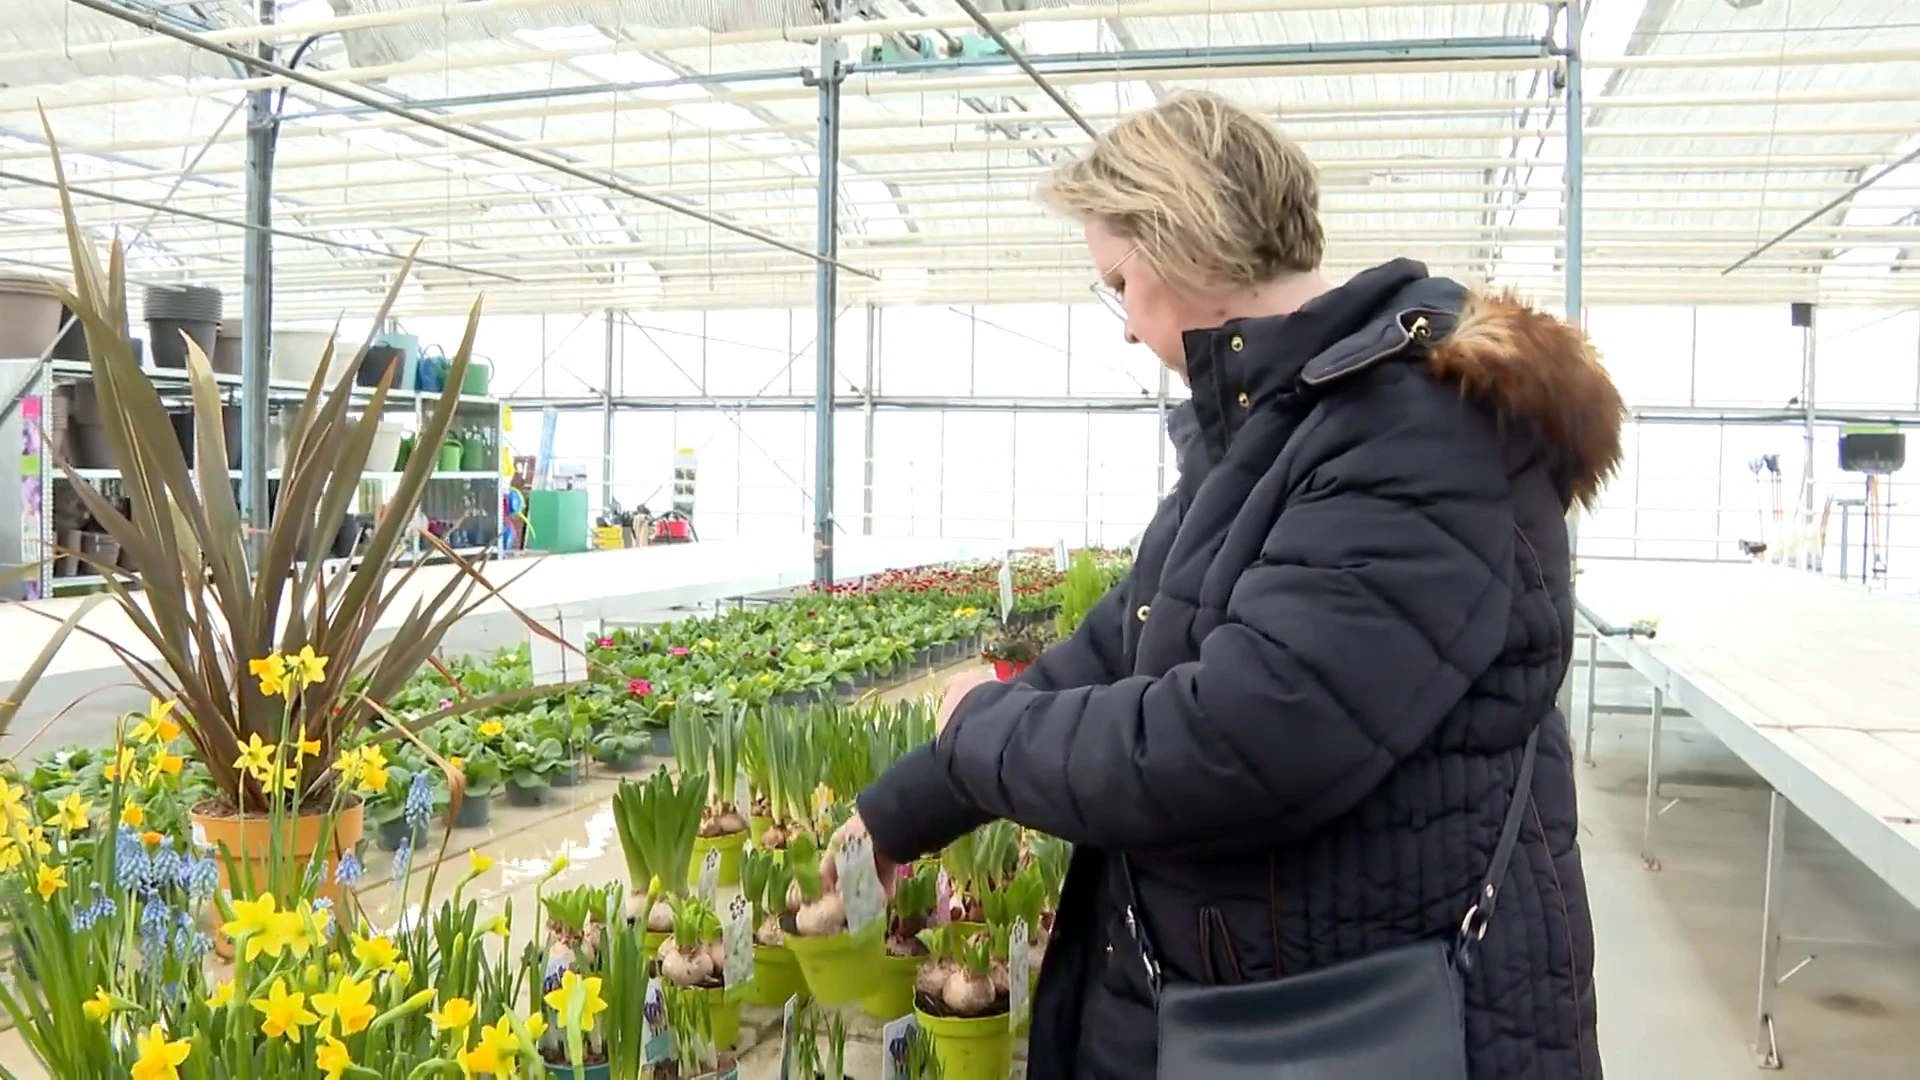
1302 715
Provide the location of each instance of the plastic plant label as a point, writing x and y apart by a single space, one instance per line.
1060 555
896 1043
1006 587
860 890
786 1038
736 941
657 1045
1017 974
546 655
709 886
732 1073
743 797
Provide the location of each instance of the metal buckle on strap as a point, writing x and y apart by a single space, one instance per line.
1147 961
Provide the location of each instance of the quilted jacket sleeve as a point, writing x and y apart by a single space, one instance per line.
1380 594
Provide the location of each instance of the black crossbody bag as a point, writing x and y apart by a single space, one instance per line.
1396 1015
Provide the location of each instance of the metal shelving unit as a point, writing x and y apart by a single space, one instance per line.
463 505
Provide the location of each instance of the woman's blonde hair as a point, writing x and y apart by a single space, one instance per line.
1213 195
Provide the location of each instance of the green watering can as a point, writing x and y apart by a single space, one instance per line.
479 374
450 452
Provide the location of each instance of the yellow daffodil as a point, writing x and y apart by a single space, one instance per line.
492 729
35 837
255 757
536 1026
158 725
333 1059
307 668
559 863
403 974
99 1006
258 925
374 777
133 816
493 1054
283 1014
10 854
478 864
124 767
302 930
51 880
308 747
374 953
157 1057
12 807
222 995
271 670
498 926
72 812
166 763
578 1001
455 1015
350 1004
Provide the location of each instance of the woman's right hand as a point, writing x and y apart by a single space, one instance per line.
886 868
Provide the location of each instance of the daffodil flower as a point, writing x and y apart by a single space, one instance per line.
222 995
255 757
578 1001
71 814
307 668
456 1015
50 880
99 1006
158 724
283 1014
349 1003
157 1057
332 1059
374 953
258 927
132 815
271 670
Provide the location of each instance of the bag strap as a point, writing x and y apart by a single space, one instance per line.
1473 926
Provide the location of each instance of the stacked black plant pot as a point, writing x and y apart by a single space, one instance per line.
173 310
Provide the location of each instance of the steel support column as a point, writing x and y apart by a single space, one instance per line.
606 421
256 302
866 410
1809 365
1575 179
826 247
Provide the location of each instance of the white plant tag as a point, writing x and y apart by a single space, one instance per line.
743 797
709 886
786 1038
658 1044
1060 555
1017 974
736 940
896 1043
860 890
1006 587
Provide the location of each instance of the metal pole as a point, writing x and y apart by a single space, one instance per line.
826 247
1014 54
256 305
1575 176
606 423
1160 416
1808 364
866 407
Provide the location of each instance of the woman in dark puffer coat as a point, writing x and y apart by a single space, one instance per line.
1302 716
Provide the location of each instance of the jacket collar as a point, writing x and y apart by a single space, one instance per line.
1247 362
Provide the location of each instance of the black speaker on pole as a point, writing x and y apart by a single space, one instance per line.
1877 451
1802 314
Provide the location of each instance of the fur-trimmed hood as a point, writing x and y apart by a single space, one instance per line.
1537 367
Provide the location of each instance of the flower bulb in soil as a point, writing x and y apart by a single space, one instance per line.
967 994
636 905
824 916
660 919
769 933
931 980
685 967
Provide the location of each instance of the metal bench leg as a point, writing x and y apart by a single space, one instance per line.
1647 855
1766 1048
1593 665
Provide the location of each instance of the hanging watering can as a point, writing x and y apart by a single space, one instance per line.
473 451
479 374
432 375
450 453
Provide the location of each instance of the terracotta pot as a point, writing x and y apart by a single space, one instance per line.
248 841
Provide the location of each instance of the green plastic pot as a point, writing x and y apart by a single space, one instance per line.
450 453
841 968
776 977
730 846
975 1048
726 1017
758 826
892 997
590 1072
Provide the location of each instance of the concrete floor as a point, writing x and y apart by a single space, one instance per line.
1678 948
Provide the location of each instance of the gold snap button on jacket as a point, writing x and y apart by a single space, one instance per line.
1244 399
1142 613
1236 343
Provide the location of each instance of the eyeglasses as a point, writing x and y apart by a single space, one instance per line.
1108 295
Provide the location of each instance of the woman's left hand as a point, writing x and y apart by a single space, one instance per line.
957 688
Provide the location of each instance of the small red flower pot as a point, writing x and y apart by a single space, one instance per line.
1005 670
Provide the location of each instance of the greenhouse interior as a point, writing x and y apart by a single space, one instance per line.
788 414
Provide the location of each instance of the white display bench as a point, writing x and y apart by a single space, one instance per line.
575 590
1809 681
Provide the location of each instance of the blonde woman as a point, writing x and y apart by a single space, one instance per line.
1322 801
